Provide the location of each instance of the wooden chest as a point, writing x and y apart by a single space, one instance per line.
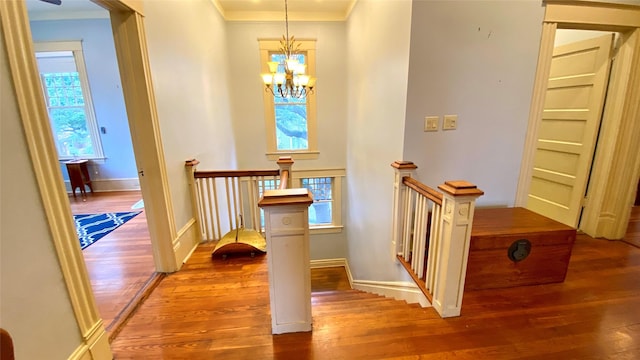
515 247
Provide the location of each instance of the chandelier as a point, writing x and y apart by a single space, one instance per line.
293 82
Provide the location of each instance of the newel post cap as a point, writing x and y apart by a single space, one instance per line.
460 188
285 197
191 162
404 165
285 160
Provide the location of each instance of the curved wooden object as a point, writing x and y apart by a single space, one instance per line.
240 240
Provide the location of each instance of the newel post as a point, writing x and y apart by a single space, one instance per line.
285 163
190 167
287 232
402 169
458 205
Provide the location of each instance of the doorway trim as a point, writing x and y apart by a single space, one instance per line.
128 29
616 165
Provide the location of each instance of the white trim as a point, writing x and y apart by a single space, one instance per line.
610 201
81 353
185 242
78 55
295 155
308 48
399 290
73 15
35 120
325 229
108 185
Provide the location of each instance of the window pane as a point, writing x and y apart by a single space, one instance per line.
70 131
291 127
67 114
290 115
320 212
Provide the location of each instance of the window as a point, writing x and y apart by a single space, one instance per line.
66 92
322 190
325 214
290 122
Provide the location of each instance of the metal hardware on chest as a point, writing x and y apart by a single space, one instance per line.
519 250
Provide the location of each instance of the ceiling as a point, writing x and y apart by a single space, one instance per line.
231 10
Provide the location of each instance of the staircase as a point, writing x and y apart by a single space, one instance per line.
360 313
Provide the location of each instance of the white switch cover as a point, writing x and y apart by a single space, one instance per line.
450 122
431 123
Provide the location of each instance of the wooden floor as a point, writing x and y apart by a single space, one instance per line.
633 230
120 263
220 310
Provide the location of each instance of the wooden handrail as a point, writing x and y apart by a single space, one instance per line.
284 179
199 174
423 189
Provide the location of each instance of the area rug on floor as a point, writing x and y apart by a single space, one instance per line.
138 205
92 227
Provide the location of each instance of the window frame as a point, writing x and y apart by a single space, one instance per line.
92 123
337 175
308 47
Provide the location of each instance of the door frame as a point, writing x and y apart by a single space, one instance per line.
130 41
616 165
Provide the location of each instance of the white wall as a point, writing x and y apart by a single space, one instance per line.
247 90
248 110
187 51
377 68
476 59
34 305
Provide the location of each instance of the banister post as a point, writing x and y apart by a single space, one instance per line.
458 205
285 163
402 169
286 219
190 167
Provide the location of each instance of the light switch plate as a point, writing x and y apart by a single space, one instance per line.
450 122
431 123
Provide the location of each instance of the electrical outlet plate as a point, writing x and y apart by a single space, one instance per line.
450 122
431 123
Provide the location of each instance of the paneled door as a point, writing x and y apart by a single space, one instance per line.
568 131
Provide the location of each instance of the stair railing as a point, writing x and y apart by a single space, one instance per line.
224 200
431 234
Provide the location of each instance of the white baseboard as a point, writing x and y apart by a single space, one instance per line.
399 290
186 242
98 185
323 263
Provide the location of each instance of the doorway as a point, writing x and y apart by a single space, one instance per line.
568 130
616 166
79 73
127 24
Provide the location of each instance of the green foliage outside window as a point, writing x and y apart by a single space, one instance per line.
291 117
66 105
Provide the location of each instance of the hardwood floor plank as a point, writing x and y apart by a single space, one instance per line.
215 309
121 263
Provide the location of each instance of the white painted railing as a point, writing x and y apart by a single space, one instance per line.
226 200
431 234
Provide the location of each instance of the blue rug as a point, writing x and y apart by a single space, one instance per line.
92 227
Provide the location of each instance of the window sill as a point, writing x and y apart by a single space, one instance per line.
325 229
295 155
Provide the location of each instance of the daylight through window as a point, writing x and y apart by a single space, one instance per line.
66 92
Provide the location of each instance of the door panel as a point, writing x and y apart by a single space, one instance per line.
569 127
